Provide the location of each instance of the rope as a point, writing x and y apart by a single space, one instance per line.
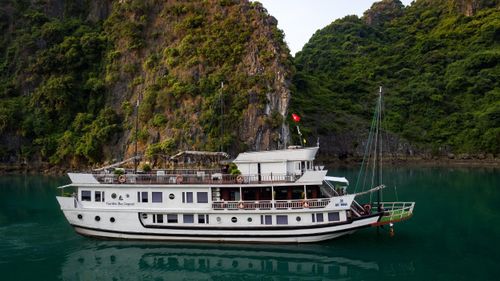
366 154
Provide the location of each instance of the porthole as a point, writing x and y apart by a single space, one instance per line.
171 196
112 219
298 218
218 219
113 195
249 219
234 219
79 216
97 218
144 215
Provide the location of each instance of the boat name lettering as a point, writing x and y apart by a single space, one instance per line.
119 204
341 204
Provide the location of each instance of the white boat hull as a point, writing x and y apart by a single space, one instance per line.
132 229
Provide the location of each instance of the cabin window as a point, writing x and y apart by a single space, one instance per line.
281 219
188 218
99 196
172 218
333 216
187 197
202 219
86 195
313 217
202 197
142 197
156 197
266 219
319 217
159 218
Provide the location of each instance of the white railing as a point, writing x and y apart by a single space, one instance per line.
201 177
267 205
394 211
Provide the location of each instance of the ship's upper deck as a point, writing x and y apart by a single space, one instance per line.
293 165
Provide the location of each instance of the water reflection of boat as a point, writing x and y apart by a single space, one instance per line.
204 262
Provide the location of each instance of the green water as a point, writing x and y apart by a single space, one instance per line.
454 235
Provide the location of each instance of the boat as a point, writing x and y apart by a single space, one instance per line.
278 196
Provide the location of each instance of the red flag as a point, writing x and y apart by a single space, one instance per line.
296 118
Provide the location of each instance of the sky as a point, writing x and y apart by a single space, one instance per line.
300 19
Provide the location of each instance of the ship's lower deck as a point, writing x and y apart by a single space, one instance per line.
300 226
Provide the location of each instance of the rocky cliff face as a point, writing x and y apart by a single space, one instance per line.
470 7
383 11
208 74
73 72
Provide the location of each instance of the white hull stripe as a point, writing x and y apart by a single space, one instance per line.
260 228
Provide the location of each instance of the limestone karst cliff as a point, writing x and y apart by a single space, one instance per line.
73 72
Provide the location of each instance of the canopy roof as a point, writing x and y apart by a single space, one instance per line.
300 154
337 179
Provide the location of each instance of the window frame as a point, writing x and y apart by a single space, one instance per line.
336 216
101 196
153 197
282 219
191 216
204 196
82 198
170 218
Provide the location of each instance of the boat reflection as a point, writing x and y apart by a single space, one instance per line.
146 261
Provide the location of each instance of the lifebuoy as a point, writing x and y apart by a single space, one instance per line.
122 179
241 205
179 179
305 204
239 179
367 208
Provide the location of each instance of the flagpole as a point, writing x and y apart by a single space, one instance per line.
296 119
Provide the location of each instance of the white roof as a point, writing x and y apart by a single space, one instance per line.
337 179
82 178
301 154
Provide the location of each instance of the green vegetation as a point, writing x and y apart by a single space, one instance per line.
51 87
69 85
440 70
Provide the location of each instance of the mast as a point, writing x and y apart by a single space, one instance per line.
377 136
221 117
136 134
